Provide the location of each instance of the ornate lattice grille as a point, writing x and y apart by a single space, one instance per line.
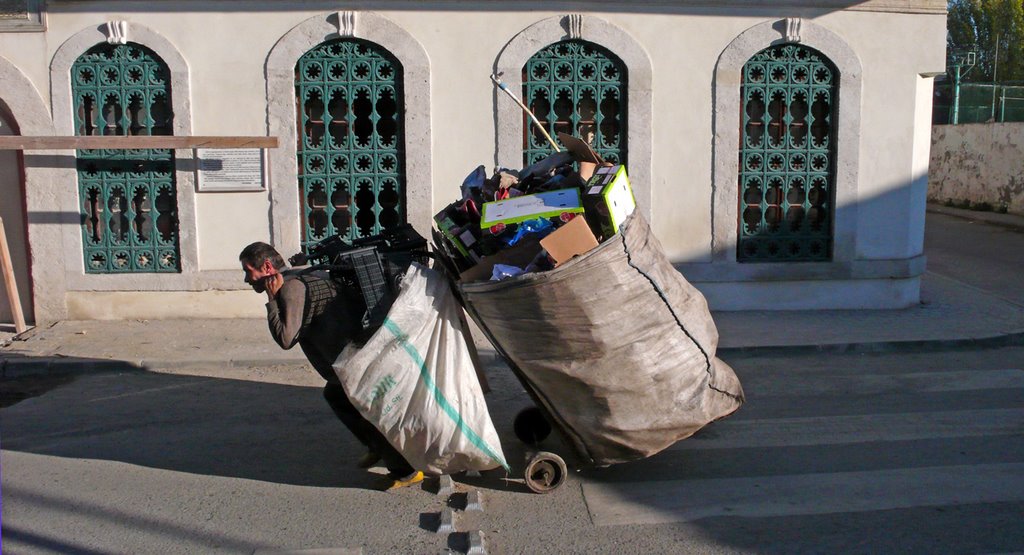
579 88
128 198
350 144
787 156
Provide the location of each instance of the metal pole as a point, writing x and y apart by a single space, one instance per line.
995 71
956 95
501 85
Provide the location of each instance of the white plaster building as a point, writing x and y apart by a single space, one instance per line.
779 149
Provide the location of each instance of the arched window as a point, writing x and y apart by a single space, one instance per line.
128 198
579 88
787 156
351 164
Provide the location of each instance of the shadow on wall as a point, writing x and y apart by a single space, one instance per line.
877 238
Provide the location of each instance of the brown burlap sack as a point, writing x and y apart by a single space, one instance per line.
616 346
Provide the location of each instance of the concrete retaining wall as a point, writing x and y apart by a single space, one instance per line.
979 163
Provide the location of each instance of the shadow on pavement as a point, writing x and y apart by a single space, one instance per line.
212 426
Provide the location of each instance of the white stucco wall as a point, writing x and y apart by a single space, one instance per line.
226 54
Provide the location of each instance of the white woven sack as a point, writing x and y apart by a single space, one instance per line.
415 381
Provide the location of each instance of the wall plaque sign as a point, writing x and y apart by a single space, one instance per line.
22 16
231 169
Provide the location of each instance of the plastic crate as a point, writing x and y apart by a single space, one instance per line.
374 283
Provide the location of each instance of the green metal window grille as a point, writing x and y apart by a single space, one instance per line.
127 198
350 140
787 156
579 88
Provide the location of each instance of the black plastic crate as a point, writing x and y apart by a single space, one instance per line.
375 283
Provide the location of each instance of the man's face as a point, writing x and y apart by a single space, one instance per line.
254 275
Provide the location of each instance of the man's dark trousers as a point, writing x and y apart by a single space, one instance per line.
364 431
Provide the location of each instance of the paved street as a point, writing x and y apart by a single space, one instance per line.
989 257
832 453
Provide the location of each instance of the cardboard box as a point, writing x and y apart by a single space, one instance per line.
586 156
520 255
608 200
572 239
549 204
461 239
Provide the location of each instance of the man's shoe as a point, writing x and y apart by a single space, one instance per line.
368 459
398 483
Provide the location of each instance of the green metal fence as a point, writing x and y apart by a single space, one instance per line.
579 88
127 198
787 156
977 103
350 153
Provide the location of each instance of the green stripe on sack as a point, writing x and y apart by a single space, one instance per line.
441 400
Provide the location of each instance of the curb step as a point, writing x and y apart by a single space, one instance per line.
446 524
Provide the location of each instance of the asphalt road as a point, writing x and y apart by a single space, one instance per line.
848 453
989 257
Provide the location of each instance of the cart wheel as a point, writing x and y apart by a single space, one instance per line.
530 426
545 472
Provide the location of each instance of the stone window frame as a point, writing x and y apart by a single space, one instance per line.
727 106
281 119
639 108
189 278
30 113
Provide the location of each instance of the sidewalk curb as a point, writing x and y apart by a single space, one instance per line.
1012 339
1010 221
33 366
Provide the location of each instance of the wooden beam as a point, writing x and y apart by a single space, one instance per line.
7 270
21 142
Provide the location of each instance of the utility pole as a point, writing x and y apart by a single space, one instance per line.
995 71
960 60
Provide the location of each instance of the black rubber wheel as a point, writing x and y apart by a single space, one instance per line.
531 427
545 472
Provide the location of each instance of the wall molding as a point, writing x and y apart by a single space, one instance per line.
63 117
726 124
281 123
25 106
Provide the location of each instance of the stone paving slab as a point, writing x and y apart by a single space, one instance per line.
149 343
950 312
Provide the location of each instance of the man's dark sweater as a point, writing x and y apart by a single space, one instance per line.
322 318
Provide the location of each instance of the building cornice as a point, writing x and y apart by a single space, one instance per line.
935 7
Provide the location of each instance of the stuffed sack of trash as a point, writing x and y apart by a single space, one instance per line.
615 345
415 381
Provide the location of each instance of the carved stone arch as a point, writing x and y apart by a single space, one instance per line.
726 117
64 122
281 121
530 40
22 102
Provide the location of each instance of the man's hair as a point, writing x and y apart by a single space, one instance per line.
256 253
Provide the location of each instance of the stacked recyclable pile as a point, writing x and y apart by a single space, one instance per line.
568 282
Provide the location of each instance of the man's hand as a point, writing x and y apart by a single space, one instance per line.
272 284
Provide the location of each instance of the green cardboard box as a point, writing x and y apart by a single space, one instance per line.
462 240
515 210
608 200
